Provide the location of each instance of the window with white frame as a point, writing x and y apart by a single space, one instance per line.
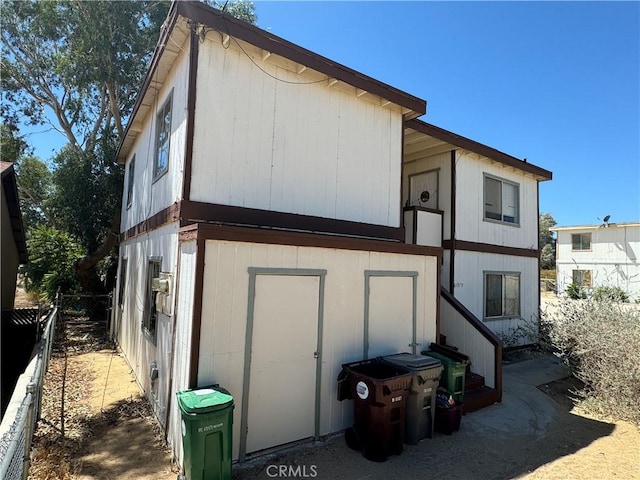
163 139
501 295
581 277
501 200
131 174
581 241
150 316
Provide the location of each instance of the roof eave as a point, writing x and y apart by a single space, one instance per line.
454 139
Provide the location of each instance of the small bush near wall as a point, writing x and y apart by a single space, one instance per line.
576 292
613 294
600 340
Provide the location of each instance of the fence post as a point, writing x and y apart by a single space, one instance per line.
28 430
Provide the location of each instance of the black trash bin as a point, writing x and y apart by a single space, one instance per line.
421 403
379 391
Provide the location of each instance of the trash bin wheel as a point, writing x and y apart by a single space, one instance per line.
374 452
352 438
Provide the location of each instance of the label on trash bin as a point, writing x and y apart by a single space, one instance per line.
362 390
204 391
184 428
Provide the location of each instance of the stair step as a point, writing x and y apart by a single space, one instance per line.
480 398
473 381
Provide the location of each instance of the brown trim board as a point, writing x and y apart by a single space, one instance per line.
198 212
204 231
489 248
168 215
194 52
201 13
452 241
476 147
196 325
153 65
485 331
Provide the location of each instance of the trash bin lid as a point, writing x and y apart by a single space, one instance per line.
413 362
204 400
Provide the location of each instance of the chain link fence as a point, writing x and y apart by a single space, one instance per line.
20 419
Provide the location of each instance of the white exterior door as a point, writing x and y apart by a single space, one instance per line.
282 381
423 189
390 319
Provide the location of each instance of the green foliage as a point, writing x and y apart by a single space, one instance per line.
599 341
240 9
52 256
34 189
546 242
87 195
576 292
611 294
12 145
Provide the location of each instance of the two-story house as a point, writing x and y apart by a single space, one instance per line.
604 255
485 203
263 233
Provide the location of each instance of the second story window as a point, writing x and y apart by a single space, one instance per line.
132 169
163 139
581 241
501 200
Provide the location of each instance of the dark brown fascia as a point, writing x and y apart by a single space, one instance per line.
490 248
153 65
476 147
202 231
201 13
199 212
10 189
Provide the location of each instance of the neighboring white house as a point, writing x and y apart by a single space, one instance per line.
265 188
488 202
599 255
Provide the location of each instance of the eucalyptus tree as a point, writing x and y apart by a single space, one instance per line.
76 67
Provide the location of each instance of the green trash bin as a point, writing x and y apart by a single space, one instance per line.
453 378
207 424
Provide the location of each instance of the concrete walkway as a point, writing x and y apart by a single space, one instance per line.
508 440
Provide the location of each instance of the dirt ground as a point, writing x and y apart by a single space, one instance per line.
110 431
113 435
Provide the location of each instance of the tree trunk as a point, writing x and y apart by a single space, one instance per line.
86 267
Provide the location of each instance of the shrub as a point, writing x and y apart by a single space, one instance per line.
52 255
576 292
613 294
600 341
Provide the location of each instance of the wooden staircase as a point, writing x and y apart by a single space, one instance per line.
476 394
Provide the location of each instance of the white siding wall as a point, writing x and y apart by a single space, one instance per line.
224 315
469 341
470 226
469 290
613 258
150 197
442 162
183 316
307 149
136 345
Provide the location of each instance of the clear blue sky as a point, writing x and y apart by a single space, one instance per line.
556 83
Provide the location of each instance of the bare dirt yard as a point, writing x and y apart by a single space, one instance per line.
110 433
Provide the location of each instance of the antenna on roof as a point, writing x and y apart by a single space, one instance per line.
224 7
605 221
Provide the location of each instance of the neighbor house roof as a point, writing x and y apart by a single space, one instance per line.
439 136
595 227
176 29
10 191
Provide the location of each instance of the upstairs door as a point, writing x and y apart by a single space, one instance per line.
423 189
